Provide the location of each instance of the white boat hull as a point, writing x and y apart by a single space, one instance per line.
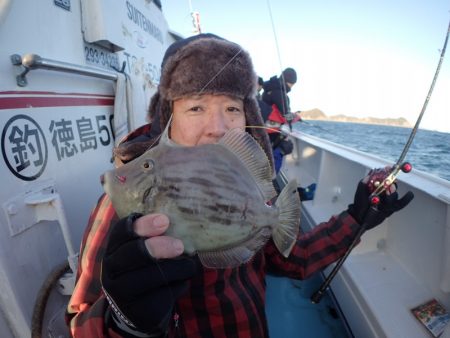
400 264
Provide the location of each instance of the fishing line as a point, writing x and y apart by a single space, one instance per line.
220 70
398 165
425 104
279 131
316 126
382 186
283 83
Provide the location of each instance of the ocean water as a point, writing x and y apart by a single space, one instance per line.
429 152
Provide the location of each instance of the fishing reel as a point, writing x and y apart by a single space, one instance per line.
381 180
289 118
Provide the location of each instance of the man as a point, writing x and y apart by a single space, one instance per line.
275 95
259 88
133 281
277 88
264 108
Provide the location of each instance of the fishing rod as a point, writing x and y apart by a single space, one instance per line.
288 117
314 125
380 185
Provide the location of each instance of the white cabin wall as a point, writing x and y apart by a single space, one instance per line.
26 258
40 27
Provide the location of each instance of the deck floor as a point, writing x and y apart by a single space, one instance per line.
290 312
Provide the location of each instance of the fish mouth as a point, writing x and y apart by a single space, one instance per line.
102 179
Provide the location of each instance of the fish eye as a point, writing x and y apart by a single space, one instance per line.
148 165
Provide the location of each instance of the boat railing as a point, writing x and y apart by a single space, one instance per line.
33 61
398 265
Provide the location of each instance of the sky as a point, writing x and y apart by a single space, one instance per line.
353 57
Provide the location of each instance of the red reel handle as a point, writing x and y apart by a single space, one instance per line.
381 180
374 200
406 167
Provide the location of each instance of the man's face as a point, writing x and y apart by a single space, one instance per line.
205 119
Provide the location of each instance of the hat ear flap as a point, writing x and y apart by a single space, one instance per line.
254 119
159 112
153 107
166 111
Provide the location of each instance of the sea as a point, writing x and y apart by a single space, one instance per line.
429 152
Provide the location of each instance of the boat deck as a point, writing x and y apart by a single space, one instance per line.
290 312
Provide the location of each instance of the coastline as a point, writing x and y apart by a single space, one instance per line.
318 115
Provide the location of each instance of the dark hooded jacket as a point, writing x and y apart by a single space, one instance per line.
275 92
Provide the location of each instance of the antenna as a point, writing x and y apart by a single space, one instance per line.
195 19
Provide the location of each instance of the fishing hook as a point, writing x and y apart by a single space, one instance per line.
383 185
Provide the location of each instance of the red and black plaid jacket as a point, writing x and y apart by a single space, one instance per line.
220 302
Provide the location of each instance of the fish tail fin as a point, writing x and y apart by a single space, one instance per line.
285 234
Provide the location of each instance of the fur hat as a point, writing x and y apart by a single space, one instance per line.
208 64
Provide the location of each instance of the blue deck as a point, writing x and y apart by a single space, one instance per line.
291 314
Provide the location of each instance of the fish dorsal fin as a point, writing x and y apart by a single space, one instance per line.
245 147
288 204
237 255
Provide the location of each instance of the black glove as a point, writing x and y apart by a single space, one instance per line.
389 203
141 290
286 147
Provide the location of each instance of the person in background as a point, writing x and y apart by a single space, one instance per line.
275 95
277 88
133 281
259 88
264 108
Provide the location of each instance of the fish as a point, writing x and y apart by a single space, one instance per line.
215 195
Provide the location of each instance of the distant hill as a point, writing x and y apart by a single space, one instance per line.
317 114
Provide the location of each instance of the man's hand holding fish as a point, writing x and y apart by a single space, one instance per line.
143 275
152 227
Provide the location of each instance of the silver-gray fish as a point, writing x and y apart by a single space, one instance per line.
215 196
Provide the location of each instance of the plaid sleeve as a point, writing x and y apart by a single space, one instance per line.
86 308
314 250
